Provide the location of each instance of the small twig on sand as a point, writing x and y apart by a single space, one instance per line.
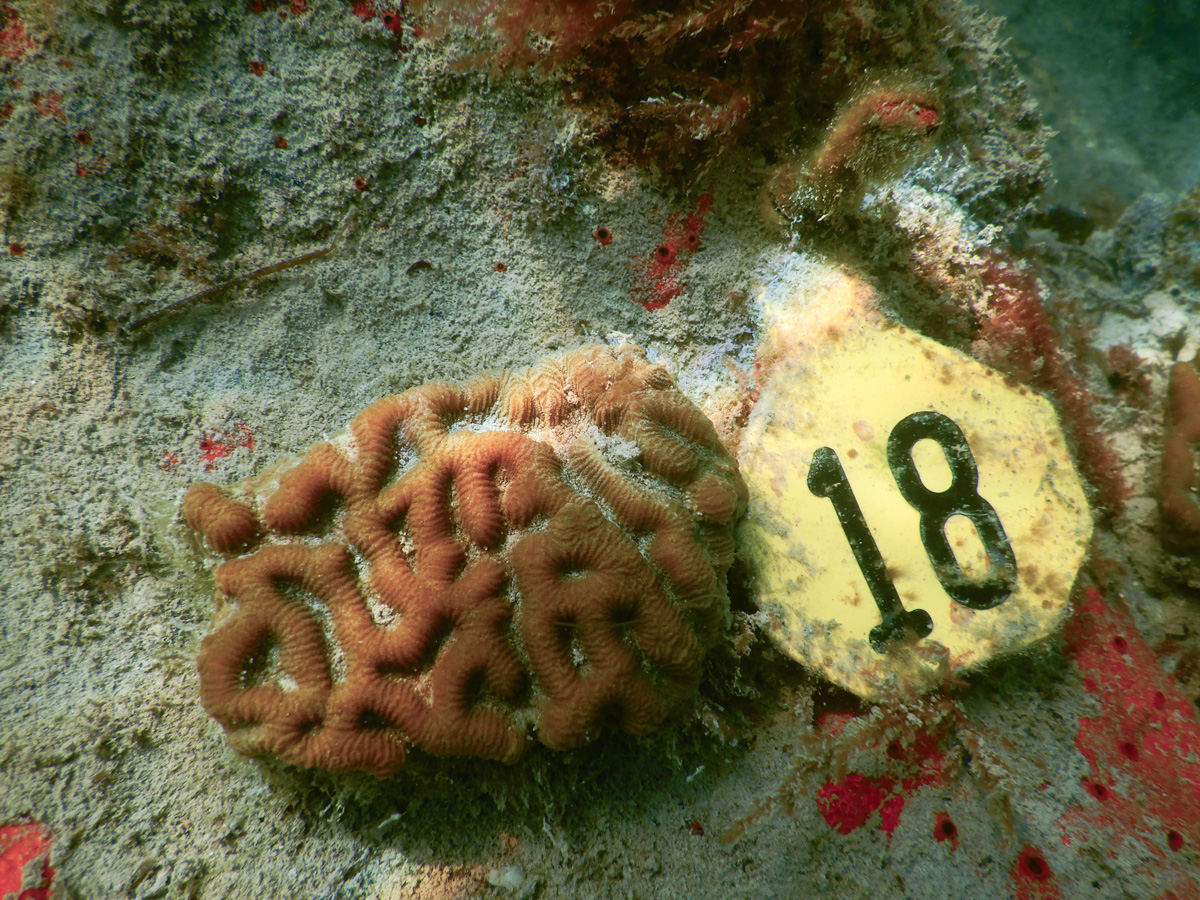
178 307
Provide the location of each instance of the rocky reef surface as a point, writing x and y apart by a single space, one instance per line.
229 227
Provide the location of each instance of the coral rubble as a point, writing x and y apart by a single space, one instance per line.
539 550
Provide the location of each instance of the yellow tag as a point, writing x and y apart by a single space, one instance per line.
911 515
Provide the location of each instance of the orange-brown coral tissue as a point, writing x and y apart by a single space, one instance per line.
1178 503
468 566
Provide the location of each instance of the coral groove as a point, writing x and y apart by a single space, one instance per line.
542 551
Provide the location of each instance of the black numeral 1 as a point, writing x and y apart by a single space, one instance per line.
827 478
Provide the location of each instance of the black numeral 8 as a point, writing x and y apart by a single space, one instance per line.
960 499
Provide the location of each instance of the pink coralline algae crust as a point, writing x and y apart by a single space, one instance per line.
905 112
25 870
849 802
656 277
49 104
1032 877
15 41
465 592
1143 752
1142 747
669 87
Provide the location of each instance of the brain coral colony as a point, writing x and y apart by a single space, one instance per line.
540 551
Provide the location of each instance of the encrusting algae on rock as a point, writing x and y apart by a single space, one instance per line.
542 551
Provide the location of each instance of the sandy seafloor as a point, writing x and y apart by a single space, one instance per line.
471 247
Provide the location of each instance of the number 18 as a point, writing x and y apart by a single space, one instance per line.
827 478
